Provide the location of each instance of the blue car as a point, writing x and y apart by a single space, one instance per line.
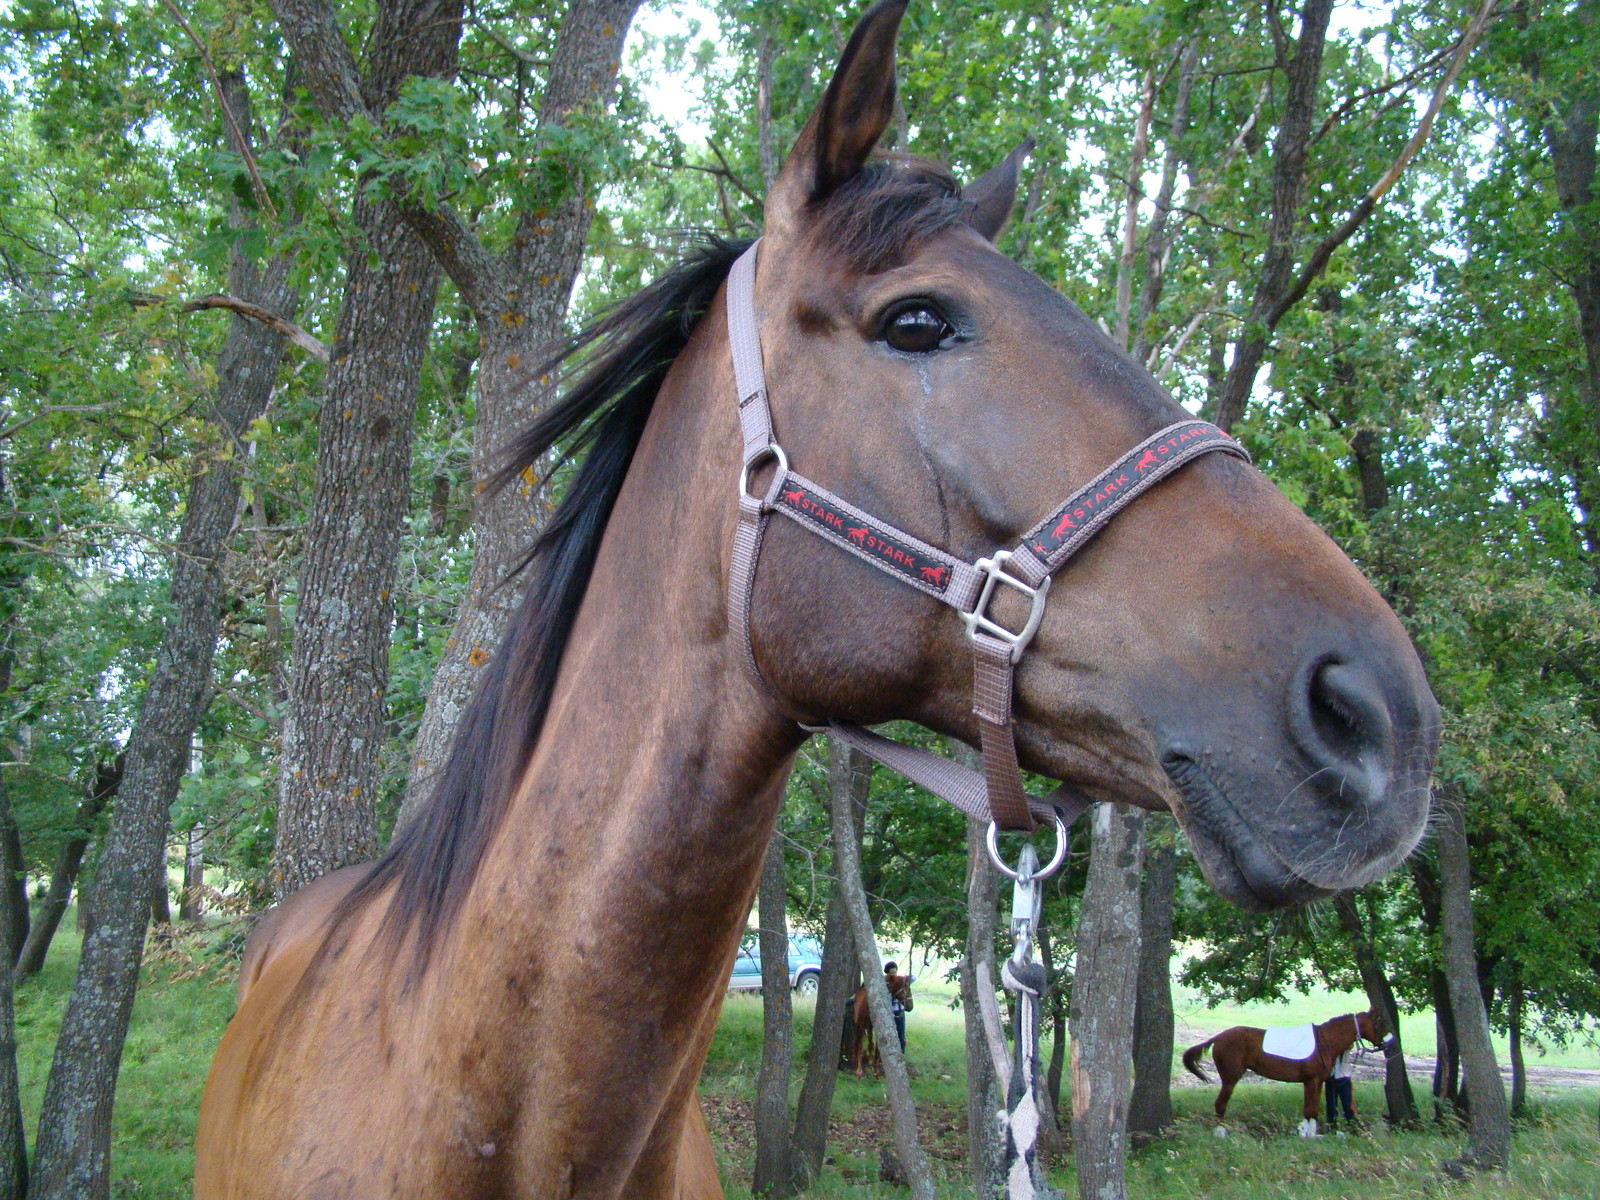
805 965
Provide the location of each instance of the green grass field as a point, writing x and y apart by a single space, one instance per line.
181 1013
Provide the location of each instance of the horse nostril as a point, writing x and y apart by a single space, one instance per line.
1340 719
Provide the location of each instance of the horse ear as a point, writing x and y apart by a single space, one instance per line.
854 112
993 194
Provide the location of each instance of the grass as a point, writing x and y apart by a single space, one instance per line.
179 1017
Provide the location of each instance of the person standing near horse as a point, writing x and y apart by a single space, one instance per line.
899 998
863 1043
1340 1091
1305 1054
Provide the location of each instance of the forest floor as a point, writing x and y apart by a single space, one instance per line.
187 998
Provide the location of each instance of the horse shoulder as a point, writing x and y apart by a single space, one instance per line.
293 920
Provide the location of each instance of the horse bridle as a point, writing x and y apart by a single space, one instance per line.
997 794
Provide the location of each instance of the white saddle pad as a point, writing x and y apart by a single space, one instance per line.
1294 1041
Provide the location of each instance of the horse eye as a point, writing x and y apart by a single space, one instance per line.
916 328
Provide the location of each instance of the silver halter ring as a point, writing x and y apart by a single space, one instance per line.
1043 872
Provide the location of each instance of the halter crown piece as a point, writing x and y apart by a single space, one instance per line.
997 794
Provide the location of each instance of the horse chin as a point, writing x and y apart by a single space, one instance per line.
1233 857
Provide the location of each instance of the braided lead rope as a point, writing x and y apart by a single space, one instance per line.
1021 1116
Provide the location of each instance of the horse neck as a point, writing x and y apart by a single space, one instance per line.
1339 1034
636 837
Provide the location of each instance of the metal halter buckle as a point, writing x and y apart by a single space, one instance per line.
994 572
771 450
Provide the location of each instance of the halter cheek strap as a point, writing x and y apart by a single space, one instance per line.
997 793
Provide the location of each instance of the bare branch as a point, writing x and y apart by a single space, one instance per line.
240 143
271 320
1319 258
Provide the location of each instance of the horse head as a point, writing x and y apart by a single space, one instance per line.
1373 1028
900 989
1211 652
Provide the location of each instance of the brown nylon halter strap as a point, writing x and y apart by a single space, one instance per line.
966 587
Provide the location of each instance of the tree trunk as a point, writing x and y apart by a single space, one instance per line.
1519 1069
1050 1134
192 903
1150 1110
1303 73
13 1137
773 1169
1400 1104
334 726
15 880
73 1159
849 782
985 1148
108 778
161 897
1488 1124
1568 113
519 300
902 1112
1102 1002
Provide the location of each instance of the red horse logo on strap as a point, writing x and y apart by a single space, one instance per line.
858 536
1060 531
935 575
1145 463
793 497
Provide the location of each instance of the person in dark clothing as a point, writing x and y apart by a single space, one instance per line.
1339 1092
899 998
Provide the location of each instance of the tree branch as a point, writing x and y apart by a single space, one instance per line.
271 320
326 64
239 141
1319 257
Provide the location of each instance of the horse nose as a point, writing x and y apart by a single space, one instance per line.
1341 719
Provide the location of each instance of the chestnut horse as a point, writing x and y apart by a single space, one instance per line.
1238 1050
451 1020
863 1042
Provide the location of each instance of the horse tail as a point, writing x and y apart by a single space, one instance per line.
1192 1057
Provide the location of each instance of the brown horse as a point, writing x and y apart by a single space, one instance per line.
863 1043
1238 1050
450 1021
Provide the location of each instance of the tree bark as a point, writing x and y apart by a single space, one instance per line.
773 1169
1400 1103
1519 1069
1488 1123
1150 1109
849 782
1303 72
1568 114
985 1149
15 872
1102 1002
191 904
108 778
334 726
519 300
73 1157
13 1137
902 1112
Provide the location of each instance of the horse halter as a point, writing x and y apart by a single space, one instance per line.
997 794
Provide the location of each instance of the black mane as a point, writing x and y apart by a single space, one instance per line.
870 222
432 861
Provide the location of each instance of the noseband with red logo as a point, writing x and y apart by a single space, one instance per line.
997 793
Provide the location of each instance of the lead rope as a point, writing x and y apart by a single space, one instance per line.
1026 978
